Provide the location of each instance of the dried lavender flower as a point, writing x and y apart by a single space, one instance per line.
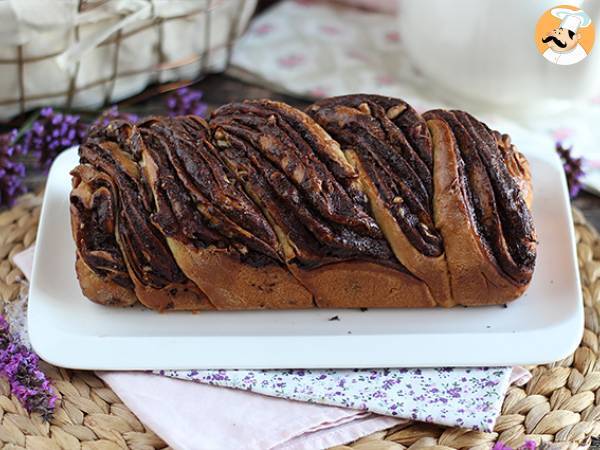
573 168
27 382
113 113
51 133
12 173
529 445
7 143
501 446
185 101
4 333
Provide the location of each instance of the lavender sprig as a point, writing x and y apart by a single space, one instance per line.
573 168
12 173
113 113
27 382
50 134
528 445
185 101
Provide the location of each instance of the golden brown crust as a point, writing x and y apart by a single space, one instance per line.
474 278
432 271
100 289
362 284
232 284
174 296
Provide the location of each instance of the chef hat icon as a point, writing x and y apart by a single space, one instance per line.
572 19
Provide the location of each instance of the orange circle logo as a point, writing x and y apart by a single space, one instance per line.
564 35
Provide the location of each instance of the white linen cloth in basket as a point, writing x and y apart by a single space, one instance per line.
55 52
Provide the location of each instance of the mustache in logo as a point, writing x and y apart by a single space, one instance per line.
558 42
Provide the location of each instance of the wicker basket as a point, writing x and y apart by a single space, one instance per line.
77 53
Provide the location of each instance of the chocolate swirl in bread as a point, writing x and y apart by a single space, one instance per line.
157 280
213 228
481 210
363 124
500 213
282 150
313 196
397 178
100 263
359 202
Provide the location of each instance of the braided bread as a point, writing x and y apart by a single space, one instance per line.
357 202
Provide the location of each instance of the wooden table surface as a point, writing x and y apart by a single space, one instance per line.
220 89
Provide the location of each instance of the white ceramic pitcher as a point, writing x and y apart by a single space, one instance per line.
483 52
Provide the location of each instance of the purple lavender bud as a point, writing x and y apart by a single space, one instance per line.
12 173
37 128
113 113
501 446
50 134
529 445
573 169
185 101
27 382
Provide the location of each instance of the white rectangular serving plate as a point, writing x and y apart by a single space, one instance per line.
545 325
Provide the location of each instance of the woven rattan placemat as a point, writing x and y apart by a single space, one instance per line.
560 404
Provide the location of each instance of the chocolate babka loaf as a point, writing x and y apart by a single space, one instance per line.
357 202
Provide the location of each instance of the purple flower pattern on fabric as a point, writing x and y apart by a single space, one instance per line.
464 397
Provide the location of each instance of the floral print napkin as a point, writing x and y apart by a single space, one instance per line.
462 397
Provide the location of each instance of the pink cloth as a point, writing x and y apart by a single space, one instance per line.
195 416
